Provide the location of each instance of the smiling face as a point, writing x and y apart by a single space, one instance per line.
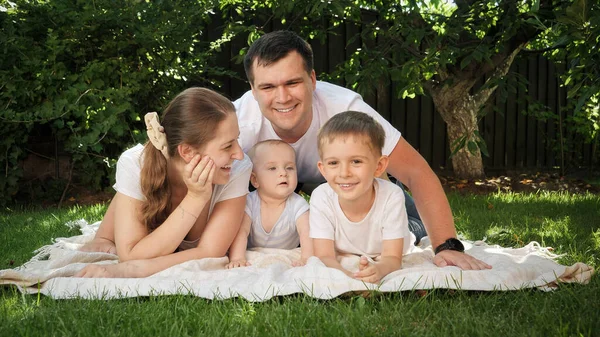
224 148
274 170
283 91
349 165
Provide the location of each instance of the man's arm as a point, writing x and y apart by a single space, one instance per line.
408 166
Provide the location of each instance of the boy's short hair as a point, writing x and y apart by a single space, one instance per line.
352 123
252 153
274 46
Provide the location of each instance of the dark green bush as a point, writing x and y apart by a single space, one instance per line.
84 72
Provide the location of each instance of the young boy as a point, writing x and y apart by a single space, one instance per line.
355 212
276 217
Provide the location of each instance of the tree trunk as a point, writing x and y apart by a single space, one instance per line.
459 110
466 165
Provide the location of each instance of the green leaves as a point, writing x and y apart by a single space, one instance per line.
83 71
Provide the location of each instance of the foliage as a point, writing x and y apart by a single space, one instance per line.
580 30
85 71
421 47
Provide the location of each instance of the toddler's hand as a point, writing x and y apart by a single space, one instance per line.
237 264
368 271
300 263
198 176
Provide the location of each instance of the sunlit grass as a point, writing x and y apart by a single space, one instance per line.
568 223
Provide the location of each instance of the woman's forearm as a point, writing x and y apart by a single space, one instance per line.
166 238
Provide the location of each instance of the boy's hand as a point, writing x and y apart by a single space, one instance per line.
368 271
237 263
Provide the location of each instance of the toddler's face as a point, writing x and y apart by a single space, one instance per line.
349 165
274 172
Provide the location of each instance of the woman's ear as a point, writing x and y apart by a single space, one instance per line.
186 152
382 165
253 180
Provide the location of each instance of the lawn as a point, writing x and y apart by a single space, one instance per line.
570 223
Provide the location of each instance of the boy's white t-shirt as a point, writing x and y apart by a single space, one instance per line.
328 100
129 167
284 234
387 220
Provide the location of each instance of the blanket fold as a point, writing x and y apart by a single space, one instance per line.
50 272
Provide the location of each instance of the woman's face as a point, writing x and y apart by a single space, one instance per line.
224 148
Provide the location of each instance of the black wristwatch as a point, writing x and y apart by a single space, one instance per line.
450 244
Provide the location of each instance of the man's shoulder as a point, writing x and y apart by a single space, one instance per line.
334 91
246 107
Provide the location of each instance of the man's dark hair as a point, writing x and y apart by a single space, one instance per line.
274 46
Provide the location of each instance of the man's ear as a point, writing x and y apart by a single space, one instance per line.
313 79
186 152
253 180
382 165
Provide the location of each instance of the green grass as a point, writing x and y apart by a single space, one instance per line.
569 223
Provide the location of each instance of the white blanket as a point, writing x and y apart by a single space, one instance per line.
271 274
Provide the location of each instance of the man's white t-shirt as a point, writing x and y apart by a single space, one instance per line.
284 234
387 220
129 167
328 100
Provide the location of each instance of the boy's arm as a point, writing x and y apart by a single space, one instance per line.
306 244
325 251
389 261
237 251
406 164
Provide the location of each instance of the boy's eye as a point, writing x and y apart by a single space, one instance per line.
332 163
356 161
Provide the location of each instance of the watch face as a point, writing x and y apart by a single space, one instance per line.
451 244
455 244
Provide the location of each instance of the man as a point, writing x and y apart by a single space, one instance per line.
286 102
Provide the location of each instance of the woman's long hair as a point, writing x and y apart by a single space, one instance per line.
190 118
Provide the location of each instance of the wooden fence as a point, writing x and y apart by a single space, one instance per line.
514 139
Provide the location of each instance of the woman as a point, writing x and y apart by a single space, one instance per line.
179 197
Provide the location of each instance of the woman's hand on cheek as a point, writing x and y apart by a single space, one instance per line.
198 176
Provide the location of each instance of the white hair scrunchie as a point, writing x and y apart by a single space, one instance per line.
156 133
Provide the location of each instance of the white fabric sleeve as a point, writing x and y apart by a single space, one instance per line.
300 205
321 219
249 120
128 173
395 220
